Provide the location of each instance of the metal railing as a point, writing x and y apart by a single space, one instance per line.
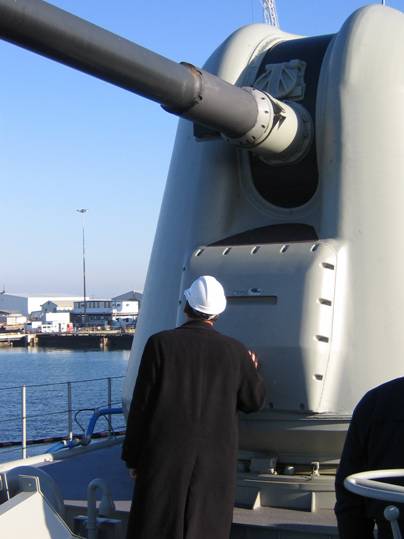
22 421
367 484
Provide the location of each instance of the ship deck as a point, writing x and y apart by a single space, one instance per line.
73 474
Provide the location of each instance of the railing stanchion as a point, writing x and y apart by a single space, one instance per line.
69 412
109 406
24 421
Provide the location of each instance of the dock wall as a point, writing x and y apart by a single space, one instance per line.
120 341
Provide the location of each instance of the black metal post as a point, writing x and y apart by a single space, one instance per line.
83 211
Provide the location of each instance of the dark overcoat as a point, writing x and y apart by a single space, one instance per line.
375 441
182 432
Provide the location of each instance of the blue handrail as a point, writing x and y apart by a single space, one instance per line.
100 412
86 439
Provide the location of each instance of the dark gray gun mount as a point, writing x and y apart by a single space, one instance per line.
246 117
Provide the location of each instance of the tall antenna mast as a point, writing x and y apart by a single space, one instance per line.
270 15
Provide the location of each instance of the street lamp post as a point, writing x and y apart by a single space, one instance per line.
83 211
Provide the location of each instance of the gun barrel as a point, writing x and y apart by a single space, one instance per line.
180 88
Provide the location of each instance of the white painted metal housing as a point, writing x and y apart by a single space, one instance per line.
336 329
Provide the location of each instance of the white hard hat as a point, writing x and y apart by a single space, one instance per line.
206 295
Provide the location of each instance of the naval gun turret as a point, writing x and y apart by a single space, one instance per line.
285 185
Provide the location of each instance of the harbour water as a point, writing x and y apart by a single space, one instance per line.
45 373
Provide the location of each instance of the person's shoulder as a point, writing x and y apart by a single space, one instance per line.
379 396
391 395
162 335
396 384
231 341
387 388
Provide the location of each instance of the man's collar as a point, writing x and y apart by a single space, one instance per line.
197 324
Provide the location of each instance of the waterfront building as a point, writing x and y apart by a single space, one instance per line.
53 326
63 303
15 320
125 308
14 303
50 319
131 295
124 313
35 326
50 307
60 319
120 311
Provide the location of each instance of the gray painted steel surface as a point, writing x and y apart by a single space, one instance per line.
345 331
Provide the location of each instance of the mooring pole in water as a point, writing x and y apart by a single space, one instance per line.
24 421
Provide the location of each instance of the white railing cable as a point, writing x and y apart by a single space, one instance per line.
7 388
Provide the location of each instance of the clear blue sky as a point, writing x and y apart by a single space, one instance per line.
69 141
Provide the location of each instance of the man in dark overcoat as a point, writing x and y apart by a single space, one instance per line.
375 441
182 429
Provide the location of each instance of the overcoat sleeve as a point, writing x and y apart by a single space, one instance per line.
251 392
350 509
142 405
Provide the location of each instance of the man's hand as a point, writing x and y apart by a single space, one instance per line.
132 473
253 358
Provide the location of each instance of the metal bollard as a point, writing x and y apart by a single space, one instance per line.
107 506
392 514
